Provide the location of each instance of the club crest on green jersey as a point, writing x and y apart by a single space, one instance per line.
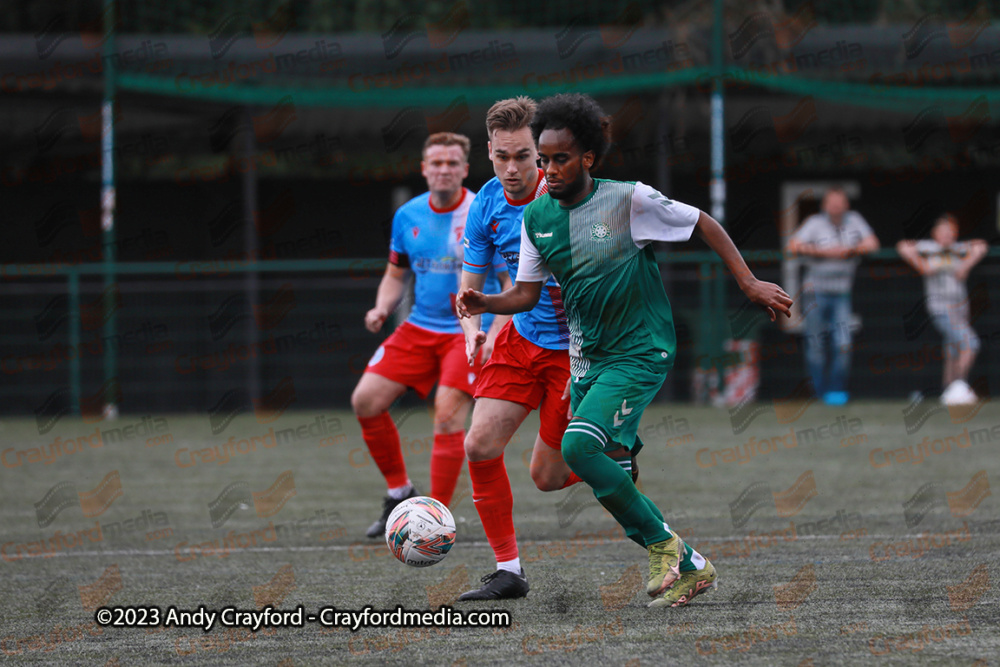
600 231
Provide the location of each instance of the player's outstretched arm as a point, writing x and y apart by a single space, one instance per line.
521 297
390 293
768 296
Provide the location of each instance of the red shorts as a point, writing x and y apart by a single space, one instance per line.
521 372
418 358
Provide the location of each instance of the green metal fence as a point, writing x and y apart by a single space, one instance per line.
185 334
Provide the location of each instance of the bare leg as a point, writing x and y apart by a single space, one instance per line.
375 394
548 470
451 408
963 363
494 423
947 374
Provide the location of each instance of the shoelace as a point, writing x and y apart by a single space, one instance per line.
490 577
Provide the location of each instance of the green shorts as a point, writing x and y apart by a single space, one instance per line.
613 395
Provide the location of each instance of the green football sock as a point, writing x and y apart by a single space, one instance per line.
630 531
626 464
624 461
686 564
612 486
653 508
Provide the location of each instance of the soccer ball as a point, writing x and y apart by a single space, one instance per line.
420 531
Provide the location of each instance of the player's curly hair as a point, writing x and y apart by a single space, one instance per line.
581 115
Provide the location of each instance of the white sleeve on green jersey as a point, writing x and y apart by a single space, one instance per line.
530 267
654 217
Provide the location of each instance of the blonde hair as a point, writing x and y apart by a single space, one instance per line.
448 139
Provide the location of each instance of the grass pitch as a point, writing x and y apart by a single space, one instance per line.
841 535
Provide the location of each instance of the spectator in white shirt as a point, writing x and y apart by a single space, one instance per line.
945 262
833 242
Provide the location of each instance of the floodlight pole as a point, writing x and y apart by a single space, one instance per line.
109 298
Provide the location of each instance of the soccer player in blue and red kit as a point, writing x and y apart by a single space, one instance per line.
529 365
429 347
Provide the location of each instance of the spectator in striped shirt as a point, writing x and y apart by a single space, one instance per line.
945 262
832 241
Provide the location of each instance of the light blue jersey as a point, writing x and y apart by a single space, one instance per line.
429 242
494 224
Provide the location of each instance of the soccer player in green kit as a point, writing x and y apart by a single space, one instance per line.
595 236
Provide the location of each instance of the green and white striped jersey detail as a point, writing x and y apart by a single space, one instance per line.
599 252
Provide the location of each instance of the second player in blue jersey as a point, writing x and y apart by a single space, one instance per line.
428 241
494 224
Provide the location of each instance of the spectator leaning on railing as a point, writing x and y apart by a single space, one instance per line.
945 262
833 241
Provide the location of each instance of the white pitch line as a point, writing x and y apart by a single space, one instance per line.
477 544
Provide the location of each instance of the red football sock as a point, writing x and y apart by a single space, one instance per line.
382 438
571 480
447 458
495 504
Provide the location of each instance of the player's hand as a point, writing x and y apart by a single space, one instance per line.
470 302
770 297
565 397
472 346
487 348
374 319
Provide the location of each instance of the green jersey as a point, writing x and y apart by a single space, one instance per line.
600 252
